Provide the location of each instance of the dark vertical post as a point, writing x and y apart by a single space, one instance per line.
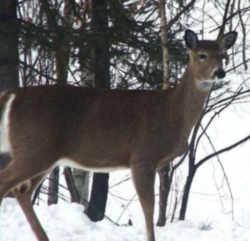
9 45
101 64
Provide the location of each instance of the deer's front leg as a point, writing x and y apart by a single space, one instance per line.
144 179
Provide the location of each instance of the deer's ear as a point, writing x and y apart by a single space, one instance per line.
228 40
191 39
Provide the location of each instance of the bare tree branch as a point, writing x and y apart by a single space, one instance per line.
224 20
184 9
228 148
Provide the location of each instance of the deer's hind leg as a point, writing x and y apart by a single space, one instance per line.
20 178
19 170
5 185
23 194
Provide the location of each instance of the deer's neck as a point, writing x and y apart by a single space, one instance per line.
192 99
193 94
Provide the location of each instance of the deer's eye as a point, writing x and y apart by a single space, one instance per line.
203 56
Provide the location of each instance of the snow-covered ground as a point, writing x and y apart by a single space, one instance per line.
67 222
209 215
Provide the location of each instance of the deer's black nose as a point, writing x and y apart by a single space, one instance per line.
220 73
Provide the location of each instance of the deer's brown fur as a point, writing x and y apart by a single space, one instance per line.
105 129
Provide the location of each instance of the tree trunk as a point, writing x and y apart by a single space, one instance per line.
75 197
186 193
53 186
9 45
81 178
164 42
164 173
81 184
99 193
62 54
98 199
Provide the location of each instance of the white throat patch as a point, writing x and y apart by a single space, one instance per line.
205 85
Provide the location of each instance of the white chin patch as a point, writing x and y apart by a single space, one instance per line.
205 85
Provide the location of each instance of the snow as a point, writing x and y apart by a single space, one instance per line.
67 222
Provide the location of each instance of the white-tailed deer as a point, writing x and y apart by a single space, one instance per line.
104 130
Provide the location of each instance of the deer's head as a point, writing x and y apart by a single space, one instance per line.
206 57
